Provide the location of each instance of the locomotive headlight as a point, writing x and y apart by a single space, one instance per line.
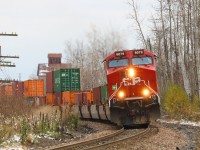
131 73
121 95
146 92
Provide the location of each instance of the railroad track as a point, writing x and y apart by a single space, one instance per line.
82 144
108 140
138 136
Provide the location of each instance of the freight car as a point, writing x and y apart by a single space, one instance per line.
132 94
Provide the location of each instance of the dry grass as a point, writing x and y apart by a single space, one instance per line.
22 118
14 107
11 110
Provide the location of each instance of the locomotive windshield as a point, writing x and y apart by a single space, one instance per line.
142 61
118 63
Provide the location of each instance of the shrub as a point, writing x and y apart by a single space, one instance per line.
74 121
195 104
41 125
177 103
5 132
195 108
25 130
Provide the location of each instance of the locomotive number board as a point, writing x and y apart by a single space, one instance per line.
138 52
119 54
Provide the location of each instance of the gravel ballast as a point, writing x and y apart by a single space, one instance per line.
171 136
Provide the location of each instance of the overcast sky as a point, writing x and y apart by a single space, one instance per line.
43 26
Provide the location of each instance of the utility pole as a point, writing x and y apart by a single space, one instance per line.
6 63
2 57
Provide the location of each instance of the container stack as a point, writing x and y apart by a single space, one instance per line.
66 84
34 90
56 88
18 88
61 85
50 88
83 98
100 95
8 90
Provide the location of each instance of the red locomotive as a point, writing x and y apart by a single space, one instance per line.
132 87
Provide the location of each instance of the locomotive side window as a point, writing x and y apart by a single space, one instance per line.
118 63
142 61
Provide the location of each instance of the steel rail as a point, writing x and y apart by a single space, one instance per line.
84 143
141 134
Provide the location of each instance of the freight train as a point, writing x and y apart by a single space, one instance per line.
132 90
129 98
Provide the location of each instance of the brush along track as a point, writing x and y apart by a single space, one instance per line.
84 144
135 137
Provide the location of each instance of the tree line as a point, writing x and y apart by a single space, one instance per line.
174 37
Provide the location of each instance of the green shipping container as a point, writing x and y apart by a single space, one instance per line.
104 93
67 80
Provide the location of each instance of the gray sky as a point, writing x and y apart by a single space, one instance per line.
43 26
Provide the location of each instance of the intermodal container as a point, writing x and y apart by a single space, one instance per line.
68 97
49 82
44 79
9 90
57 98
18 88
83 98
78 99
34 88
42 101
50 98
75 79
97 95
88 98
104 93
2 90
67 80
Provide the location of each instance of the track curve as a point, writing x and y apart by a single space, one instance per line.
84 144
145 133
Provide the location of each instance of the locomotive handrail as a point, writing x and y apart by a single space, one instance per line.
114 93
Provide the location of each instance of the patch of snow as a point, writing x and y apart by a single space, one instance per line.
185 122
48 137
16 138
168 121
182 122
13 148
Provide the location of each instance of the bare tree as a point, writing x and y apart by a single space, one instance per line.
134 16
89 56
175 35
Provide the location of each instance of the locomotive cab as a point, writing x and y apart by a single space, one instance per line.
132 87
